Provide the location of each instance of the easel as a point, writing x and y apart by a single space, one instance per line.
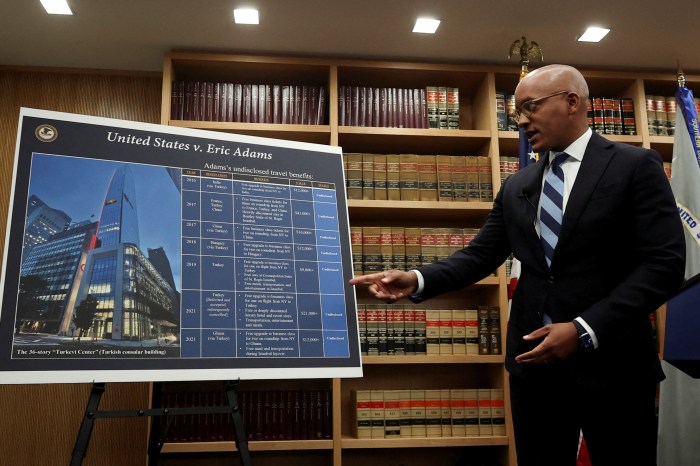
155 443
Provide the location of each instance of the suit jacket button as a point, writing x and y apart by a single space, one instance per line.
550 281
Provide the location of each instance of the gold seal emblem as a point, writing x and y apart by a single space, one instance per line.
46 133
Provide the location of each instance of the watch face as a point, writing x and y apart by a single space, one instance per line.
586 341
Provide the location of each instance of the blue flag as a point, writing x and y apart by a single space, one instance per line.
525 154
679 399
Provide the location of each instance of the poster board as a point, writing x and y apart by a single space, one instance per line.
141 252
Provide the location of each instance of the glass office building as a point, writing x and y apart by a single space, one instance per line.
135 302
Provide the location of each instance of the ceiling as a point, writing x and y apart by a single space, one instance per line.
134 34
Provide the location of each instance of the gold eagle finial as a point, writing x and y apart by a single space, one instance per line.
526 52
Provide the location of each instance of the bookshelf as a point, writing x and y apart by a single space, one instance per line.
477 135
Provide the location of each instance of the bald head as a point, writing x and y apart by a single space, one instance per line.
563 77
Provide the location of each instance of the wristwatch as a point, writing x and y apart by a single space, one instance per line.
585 341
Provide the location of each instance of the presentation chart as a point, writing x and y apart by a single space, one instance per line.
146 252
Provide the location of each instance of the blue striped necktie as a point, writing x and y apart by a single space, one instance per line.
551 206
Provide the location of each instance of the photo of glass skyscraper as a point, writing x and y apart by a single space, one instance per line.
92 281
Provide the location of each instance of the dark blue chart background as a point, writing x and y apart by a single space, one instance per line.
265 257
262 268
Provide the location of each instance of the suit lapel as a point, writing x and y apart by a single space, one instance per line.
598 154
529 198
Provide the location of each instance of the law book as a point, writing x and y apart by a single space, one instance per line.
355 106
398 248
498 411
399 322
494 330
419 330
445 331
348 105
209 103
418 413
598 118
362 327
369 106
471 412
459 178
629 124
371 250
376 107
428 252
377 413
427 178
608 115
372 332
390 330
409 329
321 113
459 331
445 414
468 234
248 99
296 406
367 176
362 106
362 420
238 102
383 107
341 105
410 113
380 177
400 108
354 175
442 243
455 239
501 116
195 110
442 108
267 103
382 331
223 101
589 113
432 107
305 106
457 412
188 110
484 323
444 178
452 108
230 95
327 414
510 110
392 414
216 101
471 330
393 177
298 96
405 414
423 109
485 422
433 414
432 332
417 109
485 179
393 108
386 248
356 247
413 247
473 191
286 98
408 176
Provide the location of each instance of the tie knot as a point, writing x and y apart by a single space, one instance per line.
559 159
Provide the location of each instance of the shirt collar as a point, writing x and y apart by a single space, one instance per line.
577 148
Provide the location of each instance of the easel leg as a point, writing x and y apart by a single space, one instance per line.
238 427
154 439
81 443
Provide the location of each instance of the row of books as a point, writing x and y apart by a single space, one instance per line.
406 329
267 415
409 177
248 103
428 413
606 115
390 107
382 248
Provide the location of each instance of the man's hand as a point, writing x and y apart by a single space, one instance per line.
560 342
390 285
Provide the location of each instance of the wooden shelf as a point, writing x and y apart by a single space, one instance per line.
413 141
272 445
420 213
442 359
318 134
348 442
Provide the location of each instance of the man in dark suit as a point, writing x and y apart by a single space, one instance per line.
601 246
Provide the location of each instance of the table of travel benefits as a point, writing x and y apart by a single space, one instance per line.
261 268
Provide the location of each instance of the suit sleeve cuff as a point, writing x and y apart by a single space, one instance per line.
421 282
589 330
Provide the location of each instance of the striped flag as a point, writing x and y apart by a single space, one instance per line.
679 399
